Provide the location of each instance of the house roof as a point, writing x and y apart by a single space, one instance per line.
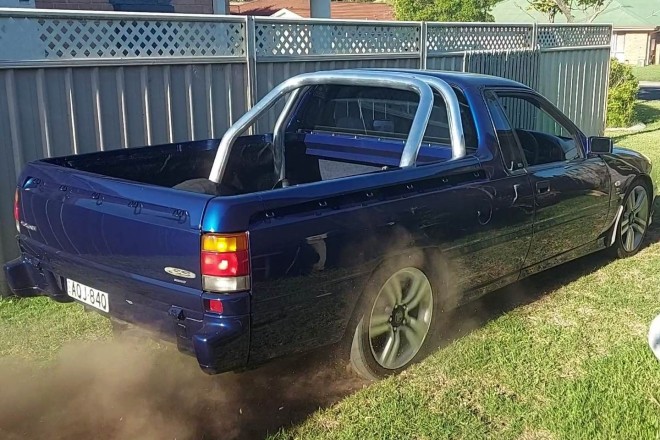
641 14
343 10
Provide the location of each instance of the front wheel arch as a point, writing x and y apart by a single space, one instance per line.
617 247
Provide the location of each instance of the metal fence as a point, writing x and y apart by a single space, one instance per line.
75 82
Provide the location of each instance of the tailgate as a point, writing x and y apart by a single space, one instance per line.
133 230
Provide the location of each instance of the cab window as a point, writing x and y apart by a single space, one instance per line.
380 112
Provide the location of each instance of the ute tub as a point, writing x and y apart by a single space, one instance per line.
174 313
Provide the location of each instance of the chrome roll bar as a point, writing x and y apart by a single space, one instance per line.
456 133
279 156
419 84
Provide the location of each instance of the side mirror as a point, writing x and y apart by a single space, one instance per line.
600 144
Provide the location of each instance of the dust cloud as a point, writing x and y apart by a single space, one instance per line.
123 390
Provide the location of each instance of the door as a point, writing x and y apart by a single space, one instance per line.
571 190
619 46
502 234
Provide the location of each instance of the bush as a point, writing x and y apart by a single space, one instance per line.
622 94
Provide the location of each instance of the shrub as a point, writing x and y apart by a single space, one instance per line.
623 88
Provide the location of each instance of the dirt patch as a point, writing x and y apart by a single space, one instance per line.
121 390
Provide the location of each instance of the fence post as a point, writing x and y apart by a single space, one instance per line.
423 45
535 36
251 61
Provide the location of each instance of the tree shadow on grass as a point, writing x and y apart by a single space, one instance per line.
647 114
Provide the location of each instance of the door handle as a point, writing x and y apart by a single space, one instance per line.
542 187
516 187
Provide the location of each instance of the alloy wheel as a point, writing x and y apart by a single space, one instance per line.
634 219
400 318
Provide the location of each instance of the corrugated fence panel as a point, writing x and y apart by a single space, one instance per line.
58 111
61 111
520 65
10 163
573 71
576 81
78 81
446 62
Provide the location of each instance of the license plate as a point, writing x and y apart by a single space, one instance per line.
88 295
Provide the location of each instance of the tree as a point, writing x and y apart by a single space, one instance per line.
567 8
444 10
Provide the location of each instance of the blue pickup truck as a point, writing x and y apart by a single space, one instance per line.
376 202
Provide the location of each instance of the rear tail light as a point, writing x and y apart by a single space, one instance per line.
225 262
17 211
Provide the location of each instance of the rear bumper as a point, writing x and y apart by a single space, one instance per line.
220 343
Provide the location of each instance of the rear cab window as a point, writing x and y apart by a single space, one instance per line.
380 112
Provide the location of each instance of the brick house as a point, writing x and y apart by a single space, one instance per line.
636 26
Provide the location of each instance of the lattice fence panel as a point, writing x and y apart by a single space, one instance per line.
69 38
443 38
295 39
551 36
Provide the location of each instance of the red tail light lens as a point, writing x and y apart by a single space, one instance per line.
17 211
225 262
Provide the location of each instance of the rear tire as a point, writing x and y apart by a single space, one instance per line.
633 225
396 323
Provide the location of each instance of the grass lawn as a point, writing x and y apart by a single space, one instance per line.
570 362
647 73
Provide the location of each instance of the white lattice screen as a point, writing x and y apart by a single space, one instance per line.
64 39
554 36
453 38
68 36
294 39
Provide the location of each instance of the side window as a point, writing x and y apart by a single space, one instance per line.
542 137
511 153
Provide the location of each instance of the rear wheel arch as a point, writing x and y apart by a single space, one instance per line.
433 265
417 254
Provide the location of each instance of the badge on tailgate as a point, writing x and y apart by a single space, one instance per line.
180 273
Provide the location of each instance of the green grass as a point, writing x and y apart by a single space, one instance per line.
647 73
572 364
36 328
